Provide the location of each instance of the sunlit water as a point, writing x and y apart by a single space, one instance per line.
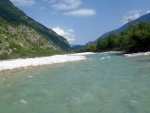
105 83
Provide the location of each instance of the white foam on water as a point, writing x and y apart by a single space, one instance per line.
137 54
102 58
108 57
23 101
133 101
109 52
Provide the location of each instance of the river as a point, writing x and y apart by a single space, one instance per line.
104 83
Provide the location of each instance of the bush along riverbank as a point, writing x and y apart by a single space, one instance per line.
136 38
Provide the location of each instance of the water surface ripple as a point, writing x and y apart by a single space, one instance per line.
105 83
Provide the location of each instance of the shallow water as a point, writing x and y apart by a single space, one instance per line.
105 83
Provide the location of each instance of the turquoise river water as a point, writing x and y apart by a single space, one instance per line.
105 83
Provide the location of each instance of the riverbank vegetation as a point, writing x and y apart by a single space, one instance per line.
136 38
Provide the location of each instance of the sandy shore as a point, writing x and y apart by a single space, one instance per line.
137 54
19 63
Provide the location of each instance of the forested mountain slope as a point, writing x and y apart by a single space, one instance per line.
145 18
21 36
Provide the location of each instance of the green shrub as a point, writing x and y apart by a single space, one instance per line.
4 56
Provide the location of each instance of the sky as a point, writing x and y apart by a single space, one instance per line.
81 21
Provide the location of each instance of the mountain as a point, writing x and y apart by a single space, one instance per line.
22 36
145 18
73 47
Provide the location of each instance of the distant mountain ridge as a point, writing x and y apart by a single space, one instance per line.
20 34
145 18
73 47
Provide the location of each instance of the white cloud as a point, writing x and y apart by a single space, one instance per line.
73 8
67 4
148 12
68 34
71 30
82 12
135 11
23 2
132 15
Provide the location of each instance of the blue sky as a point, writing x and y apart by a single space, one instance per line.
81 21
